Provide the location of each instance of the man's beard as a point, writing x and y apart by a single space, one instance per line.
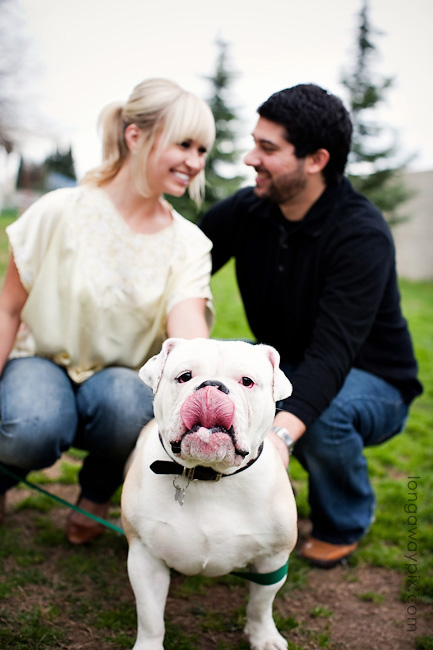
285 188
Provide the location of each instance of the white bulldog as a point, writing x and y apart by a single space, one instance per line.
206 493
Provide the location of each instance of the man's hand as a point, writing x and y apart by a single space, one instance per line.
294 426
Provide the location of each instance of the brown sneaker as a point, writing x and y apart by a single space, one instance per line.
81 529
326 555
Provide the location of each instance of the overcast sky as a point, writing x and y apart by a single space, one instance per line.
91 52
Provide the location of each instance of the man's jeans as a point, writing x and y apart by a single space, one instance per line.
366 411
43 413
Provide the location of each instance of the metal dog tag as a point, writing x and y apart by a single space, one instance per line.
179 494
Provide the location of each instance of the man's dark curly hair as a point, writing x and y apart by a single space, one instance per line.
313 119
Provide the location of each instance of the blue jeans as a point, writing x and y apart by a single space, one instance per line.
43 413
366 411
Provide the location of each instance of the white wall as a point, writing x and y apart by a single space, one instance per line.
414 238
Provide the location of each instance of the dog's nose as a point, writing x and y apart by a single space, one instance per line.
208 407
217 384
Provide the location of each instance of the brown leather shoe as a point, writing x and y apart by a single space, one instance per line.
2 508
81 529
326 555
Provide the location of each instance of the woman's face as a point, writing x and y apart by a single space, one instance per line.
171 171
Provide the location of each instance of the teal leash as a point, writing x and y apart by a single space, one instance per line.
104 522
259 578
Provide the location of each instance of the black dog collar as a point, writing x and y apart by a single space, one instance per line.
198 473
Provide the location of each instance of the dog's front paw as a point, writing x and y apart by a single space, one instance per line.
261 639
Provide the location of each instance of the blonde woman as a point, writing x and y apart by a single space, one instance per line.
99 276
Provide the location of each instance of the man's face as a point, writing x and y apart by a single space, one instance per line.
281 175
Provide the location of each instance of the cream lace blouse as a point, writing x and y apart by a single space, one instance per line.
99 293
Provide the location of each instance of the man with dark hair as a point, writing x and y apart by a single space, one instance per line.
315 265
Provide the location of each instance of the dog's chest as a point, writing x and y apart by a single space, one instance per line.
208 536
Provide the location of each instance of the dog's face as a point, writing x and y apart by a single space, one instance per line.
215 400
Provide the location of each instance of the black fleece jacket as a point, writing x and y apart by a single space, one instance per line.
323 291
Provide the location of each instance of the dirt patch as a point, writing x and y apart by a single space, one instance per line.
356 608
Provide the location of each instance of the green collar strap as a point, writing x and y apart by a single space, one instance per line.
264 578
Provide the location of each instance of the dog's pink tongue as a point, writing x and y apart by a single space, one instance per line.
209 407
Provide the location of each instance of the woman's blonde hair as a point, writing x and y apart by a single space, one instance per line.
159 108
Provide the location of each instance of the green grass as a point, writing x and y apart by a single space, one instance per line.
321 612
231 322
371 597
36 631
393 534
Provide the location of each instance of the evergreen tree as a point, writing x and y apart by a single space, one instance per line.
374 170
36 176
20 181
61 163
222 178
221 173
30 176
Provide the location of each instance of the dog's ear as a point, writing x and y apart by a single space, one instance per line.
152 370
281 385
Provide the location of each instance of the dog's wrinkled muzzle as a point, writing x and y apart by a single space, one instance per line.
208 416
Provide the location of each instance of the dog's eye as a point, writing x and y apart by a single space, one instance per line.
184 377
247 382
